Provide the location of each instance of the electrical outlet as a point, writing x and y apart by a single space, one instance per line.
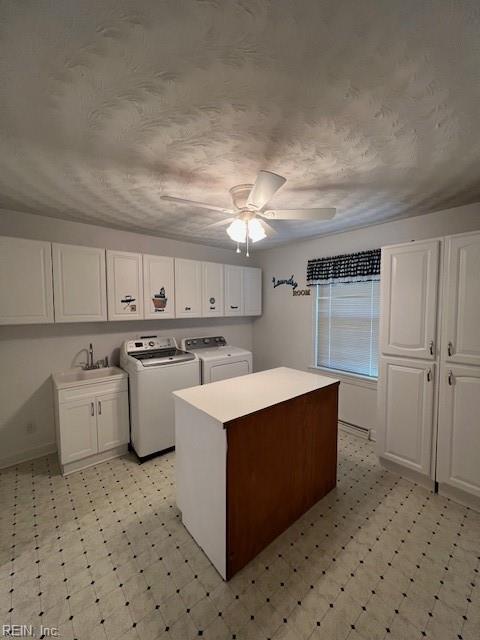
30 427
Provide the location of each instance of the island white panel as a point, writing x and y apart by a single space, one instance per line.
200 463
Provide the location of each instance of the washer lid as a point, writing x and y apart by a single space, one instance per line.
223 353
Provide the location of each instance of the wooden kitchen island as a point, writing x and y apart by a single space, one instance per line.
253 453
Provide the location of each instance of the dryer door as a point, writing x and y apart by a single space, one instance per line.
223 370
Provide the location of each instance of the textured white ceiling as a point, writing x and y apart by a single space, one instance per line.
369 106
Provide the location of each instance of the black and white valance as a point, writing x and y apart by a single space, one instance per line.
351 267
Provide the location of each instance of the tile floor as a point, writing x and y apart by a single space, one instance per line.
103 555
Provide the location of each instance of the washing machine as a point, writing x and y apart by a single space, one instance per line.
155 367
218 359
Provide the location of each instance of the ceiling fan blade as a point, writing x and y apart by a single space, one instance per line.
269 230
299 214
193 203
220 223
266 185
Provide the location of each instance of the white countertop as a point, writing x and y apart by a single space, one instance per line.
229 399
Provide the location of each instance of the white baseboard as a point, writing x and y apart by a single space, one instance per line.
96 458
28 454
408 474
457 495
353 429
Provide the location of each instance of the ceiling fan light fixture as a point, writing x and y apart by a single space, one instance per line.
256 231
237 230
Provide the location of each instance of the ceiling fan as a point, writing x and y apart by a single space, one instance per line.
248 219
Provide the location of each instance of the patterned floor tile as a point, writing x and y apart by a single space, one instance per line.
102 554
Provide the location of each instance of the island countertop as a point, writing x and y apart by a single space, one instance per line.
233 398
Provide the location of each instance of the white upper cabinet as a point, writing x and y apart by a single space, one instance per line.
409 283
233 290
158 287
79 282
461 334
252 291
458 457
212 289
406 395
124 285
188 288
25 281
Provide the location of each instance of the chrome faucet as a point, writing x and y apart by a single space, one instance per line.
90 364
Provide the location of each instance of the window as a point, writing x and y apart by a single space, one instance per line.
347 327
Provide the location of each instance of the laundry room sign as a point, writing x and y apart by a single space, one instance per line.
290 282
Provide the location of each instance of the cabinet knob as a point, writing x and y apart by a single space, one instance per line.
233 306
450 378
188 308
429 375
450 349
92 409
99 408
430 346
212 308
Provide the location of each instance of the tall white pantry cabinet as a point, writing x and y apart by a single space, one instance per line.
429 375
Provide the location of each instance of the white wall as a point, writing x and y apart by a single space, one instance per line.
29 354
283 334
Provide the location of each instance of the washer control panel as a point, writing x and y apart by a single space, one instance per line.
203 343
150 343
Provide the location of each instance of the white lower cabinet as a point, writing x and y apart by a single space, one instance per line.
92 423
458 457
78 427
406 400
112 420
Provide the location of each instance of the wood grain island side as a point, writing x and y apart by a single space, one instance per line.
253 453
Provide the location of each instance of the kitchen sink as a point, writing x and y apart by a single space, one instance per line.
77 377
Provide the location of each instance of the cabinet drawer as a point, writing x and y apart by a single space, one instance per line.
89 390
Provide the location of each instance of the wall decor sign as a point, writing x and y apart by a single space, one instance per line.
292 283
288 281
301 292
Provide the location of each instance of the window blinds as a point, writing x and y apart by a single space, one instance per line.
347 327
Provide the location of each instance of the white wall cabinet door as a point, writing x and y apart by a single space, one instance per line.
233 290
124 285
406 396
78 429
212 289
409 282
188 288
461 334
25 281
80 285
112 420
158 287
458 451
252 291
